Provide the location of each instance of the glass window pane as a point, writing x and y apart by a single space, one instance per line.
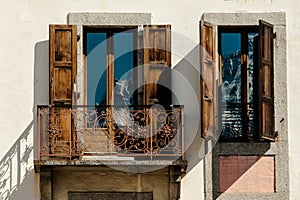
252 62
96 68
238 100
252 65
231 85
123 64
231 67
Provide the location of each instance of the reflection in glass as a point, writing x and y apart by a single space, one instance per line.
231 67
123 63
238 85
252 64
252 40
96 68
231 85
96 47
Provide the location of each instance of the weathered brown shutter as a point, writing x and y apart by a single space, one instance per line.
266 81
207 80
62 63
62 74
157 63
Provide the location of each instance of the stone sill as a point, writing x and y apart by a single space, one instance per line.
39 164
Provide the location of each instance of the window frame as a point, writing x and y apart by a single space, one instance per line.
211 119
110 30
244 30
279 148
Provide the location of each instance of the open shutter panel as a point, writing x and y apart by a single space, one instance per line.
266 82
157 63
207 80
63 43
62 74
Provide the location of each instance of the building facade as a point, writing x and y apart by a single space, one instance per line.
126 100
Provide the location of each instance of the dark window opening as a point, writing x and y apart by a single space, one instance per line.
239 68
110 195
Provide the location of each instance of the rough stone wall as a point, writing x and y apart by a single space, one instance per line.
105 179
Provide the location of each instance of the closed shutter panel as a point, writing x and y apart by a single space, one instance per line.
207 80
157 63
62 74
266 82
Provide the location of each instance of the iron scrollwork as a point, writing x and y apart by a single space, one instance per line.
112 130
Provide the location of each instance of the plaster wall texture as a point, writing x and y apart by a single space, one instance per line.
242 174
193 189
108 180
24 60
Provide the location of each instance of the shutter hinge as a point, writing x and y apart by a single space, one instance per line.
275 37
51 81
207 98
276 135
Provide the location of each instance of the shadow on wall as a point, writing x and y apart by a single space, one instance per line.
41 74
187 86
17 177
243 173
41 81
246 174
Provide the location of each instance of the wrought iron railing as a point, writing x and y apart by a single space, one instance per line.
139 132
238 122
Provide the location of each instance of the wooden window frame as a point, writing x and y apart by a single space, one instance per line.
263 82
244 31
257 85
110 30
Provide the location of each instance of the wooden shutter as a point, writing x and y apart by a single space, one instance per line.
62 74
63 61
266 82
157 63
207 80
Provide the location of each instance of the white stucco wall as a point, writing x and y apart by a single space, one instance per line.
24 27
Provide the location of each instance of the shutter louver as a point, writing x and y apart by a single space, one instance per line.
157 63
266 82
62 75
207 80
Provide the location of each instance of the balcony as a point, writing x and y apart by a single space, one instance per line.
110 132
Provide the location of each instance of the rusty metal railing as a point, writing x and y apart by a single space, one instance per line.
141 132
